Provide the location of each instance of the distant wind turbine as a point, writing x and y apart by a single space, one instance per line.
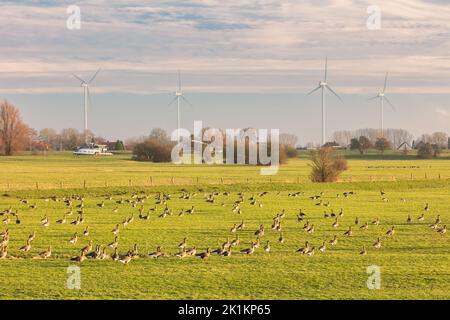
382 96
178 97
87 96
324 85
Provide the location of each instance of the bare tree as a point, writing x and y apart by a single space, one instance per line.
14 133
288 139
440 139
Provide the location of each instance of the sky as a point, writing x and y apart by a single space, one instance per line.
244 63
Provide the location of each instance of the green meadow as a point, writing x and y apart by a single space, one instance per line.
414 262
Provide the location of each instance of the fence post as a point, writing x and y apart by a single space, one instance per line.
173 181
37 186
130 183
439 176
151 181
84 184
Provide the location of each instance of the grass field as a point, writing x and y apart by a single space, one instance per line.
415 262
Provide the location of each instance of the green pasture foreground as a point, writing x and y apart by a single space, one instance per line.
414 263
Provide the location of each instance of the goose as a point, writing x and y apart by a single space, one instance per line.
335 223
408 219
116 230
442 230
86 231
434 226
310 252
427 207
61 221
323 247
101 204
114 244
363 251
134 252
325 215
192 251
226 244
32 236
88 247
182 254
190 211
249 251
356 221
235 242
256 243
304 249
76 222
377 244
115 210
79 258
126 259
26 247
17 219
182 245
157 254
365 226
349 232
47 253
130 219
94 254
341 213
45 221
421 217
391 231
376 222
438 219
74 239
260 231
310 229
281 238
219 250
267 246
204 255
333 241
234 228
4 233
306 225
7 219
241 226
33 206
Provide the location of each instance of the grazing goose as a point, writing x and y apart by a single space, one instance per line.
349 232
79 258
260 231
310 252
86 231
333 241
438 219
356 221
376 222
88 247
47 253
126 259
26 247
7 219
74 239
62 221
363 251
235 242
219 250
267 246
391 231
249 251
427 207
190 211
421 217
323 247
365 226
192 251
76 222
442 230
377 244
157 254
4 233
335 223
310 229
204 255
17 219
241 226
115 210
32 236
182 254
233 228
304 249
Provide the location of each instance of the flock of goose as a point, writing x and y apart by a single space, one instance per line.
75 205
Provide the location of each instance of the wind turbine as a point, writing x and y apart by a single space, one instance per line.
178 97
382 96
324 85
87 96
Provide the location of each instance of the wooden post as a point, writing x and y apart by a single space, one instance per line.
221 180
151 181
439 176
173 181
84 184
37 186
130 183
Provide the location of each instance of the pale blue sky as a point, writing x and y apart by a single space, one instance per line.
244 63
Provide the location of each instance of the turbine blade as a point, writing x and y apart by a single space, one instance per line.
311 92
94 76
326 68
332 91
82 81
385 82
373 98
390 103
171 102
187 101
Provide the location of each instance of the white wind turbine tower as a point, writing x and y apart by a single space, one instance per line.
382 96
324 85
87 99
178 97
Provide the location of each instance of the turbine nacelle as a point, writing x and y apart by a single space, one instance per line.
178 93
322 84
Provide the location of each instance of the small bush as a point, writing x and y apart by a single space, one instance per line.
153 150
426 151
291 152
326 165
